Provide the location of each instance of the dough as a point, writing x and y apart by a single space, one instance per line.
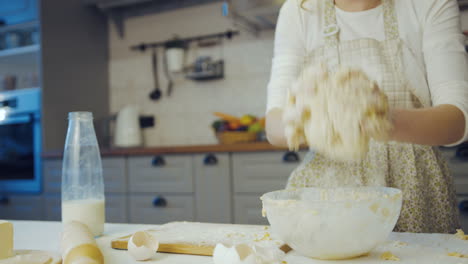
335 113
461 235
389 256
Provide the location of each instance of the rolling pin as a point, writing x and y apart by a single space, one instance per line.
78 245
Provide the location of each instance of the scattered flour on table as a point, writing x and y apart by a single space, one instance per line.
461 235
456 254
389 256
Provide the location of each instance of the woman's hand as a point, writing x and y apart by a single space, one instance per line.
435 126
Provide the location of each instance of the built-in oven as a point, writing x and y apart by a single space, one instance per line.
20 141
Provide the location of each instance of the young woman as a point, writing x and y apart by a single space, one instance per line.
415 51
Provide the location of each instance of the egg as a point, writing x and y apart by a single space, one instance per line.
142 245
244 254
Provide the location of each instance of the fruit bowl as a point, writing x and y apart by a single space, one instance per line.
333 224
230 129
234 137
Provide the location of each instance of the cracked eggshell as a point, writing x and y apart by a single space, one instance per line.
239 254
142 245
268 254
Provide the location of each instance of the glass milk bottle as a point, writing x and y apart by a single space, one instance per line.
82 182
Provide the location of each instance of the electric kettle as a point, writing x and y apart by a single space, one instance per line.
127 128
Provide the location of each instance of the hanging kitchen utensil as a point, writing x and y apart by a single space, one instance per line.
170 82
205 68
174 57
156 93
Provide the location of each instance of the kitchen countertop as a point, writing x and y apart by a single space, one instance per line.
421 248
244 147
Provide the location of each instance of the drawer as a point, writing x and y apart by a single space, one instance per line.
165 173
248 210
213 188
113 170
114 173
263 172
52 170
145 209
21 207
116 208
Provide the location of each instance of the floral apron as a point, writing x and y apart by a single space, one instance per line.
429 200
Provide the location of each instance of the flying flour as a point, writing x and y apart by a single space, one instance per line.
335 113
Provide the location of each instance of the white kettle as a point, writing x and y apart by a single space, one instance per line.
127 128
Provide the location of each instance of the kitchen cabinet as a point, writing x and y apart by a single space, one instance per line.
206 187
160 208
255 174
22 207
113 171
263 172
115 182
213 188
161 173
116 208
248 210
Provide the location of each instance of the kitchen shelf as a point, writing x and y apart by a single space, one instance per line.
20 51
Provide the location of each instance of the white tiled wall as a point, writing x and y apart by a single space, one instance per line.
185 117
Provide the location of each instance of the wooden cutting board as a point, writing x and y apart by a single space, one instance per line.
201 238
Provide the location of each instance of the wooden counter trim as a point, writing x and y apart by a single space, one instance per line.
247 147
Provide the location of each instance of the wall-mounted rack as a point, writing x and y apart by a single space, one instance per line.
144 46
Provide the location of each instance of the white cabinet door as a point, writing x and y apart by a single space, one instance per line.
248 210
160 209
22 207
263 171
213 188
116 208
161 173
113 170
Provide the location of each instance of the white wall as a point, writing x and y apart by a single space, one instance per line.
185 117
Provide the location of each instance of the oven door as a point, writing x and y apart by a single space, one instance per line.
20 150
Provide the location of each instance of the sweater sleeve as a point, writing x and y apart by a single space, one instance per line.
445 57
289 51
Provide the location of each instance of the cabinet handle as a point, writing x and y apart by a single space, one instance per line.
158 161
4 200
210 160
463 206
159 201
291 157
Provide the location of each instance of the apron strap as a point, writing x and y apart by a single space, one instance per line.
331 30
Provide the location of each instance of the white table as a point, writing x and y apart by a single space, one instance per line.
422 248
